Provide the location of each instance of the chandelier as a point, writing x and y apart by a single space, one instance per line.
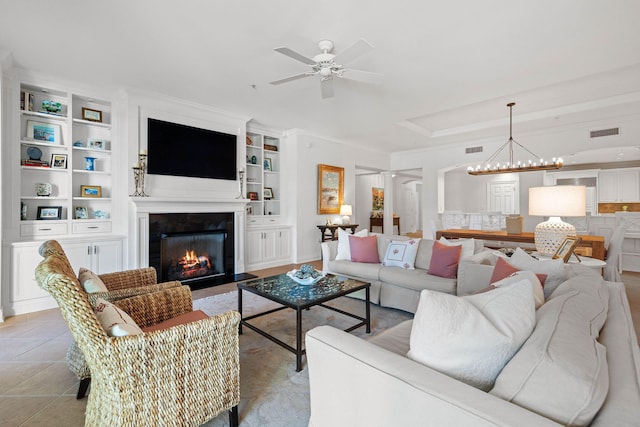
538 164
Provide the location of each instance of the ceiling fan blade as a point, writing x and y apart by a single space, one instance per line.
295 55
291 78
326 87
353 51
363 76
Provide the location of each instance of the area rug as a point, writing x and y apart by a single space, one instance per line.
272 393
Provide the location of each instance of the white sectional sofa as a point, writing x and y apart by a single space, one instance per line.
581 359
390 286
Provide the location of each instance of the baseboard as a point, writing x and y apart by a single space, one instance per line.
30 306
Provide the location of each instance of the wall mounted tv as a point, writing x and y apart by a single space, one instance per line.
181 150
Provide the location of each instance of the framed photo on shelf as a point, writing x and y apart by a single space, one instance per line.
253 195
268 193
567 248
91 114
49 212
268 164
45 132
96 144
330 189
80 212
59 161
94 191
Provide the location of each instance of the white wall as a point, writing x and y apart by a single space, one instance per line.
309 151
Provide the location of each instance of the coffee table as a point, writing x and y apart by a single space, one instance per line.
283 290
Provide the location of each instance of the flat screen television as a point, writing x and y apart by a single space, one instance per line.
180 150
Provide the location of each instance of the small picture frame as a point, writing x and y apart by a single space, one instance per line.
566 248
91 114
94 191
96 144
59 161
249 210
49 212
80 212
44 132
268 164
268 193
253 195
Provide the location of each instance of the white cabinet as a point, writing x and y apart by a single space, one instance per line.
621 185
268 247
103 256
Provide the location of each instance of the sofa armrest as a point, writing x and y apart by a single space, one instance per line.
329 252
383 388
130 278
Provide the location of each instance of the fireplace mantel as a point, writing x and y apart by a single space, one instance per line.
141 207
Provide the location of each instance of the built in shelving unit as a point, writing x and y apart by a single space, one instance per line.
263 178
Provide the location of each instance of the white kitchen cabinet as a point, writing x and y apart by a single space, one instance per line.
101 256
616 186
268 247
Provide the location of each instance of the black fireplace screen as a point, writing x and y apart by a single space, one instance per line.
188 256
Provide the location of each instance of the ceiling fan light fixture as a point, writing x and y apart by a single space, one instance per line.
510 165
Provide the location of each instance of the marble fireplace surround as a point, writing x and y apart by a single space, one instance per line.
143 206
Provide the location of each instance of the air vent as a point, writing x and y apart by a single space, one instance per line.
604 132
470 150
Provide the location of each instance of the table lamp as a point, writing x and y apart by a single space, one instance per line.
346 212
555 201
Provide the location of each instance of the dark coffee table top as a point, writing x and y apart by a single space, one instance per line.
283 290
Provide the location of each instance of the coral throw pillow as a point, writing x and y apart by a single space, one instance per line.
364 249
444 260
343 243
504 269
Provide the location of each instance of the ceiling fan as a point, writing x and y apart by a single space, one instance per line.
326 65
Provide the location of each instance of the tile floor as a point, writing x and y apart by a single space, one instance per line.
37 388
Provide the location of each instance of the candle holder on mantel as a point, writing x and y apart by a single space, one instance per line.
241 175
138 175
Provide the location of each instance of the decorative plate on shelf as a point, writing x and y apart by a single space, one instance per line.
307 281
34 153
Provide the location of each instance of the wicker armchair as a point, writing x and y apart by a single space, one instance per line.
183 375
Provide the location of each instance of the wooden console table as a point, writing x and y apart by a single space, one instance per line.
334 228
595 243
379 222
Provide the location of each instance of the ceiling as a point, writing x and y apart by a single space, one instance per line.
450 67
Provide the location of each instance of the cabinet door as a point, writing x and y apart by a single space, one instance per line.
254 246
284 244
23 283
79 254
271 244
607 191
107 256
628 182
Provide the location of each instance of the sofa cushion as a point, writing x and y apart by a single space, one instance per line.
471 338
531 278
401 254
344 250
444 260
468 245
188 317
503 269
416 280
115 322
364 249
561 370
553 268
383 242
355 269
423 257
395 339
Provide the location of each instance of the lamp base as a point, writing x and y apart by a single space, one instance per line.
346 219
550 234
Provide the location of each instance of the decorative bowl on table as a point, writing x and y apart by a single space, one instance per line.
306 276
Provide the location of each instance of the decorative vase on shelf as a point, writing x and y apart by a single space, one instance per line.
90 163
254 160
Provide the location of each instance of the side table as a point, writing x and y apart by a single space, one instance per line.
333 230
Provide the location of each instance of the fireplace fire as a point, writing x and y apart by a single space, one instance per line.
190 265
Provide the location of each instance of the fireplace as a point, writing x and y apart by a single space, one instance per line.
195 248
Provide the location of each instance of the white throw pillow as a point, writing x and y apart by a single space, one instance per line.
468 245
553 268
471 338
401 254
533 280
90 281
116 322
344 250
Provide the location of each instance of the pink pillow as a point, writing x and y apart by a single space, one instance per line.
503 269
364 249
444 260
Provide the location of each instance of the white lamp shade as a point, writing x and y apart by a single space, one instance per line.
345 210
558 200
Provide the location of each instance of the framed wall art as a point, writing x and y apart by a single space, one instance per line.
330 189
377 198
91 115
